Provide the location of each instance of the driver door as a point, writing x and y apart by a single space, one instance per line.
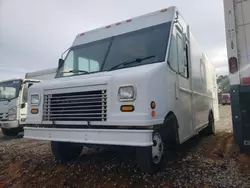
184 99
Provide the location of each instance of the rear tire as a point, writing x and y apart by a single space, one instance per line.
150 158
10 132
65 151
210 129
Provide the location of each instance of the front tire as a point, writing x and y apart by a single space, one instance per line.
150 158
10 132
65 151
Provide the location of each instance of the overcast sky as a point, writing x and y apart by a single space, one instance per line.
34 33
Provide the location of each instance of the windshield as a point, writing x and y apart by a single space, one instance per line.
10 90
106 54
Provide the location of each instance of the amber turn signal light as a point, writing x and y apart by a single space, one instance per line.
34 111
153 105
127 108
153 113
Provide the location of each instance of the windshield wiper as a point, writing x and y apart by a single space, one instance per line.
76 71
5 99
138 60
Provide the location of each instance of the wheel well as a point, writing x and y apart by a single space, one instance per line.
171 115
170 127
212 113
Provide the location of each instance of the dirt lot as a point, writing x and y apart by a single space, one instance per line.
202 162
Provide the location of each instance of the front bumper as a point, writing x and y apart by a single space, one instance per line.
92 136
9 124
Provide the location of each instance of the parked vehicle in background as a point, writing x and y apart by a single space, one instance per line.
143 82
237 19
226 99
13 100
46 74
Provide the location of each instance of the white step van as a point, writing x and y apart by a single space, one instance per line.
143 82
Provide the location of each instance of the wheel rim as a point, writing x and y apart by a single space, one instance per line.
157 148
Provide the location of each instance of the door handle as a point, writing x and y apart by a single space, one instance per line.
177 91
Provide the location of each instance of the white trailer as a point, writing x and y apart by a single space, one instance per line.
143 82
237 22
13 100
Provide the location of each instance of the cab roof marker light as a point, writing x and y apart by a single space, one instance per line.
130 20
164 10
119 23
81 34
108 26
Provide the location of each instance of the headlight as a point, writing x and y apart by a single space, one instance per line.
35 99
12 114
127 93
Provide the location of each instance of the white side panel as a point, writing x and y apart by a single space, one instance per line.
242 17
237 19
202 96
231 37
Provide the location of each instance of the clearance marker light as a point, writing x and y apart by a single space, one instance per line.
34 111
153 105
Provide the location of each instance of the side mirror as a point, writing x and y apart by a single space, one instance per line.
60 62
23 105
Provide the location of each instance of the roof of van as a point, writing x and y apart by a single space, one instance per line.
40 73
129 25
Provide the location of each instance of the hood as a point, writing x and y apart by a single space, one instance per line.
99 78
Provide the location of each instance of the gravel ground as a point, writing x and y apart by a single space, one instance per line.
201 162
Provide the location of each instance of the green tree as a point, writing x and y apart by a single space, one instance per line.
223 84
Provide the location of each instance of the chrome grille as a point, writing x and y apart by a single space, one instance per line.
1 116
77 106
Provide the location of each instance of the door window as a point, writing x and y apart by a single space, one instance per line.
88 65
172 57
182 55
